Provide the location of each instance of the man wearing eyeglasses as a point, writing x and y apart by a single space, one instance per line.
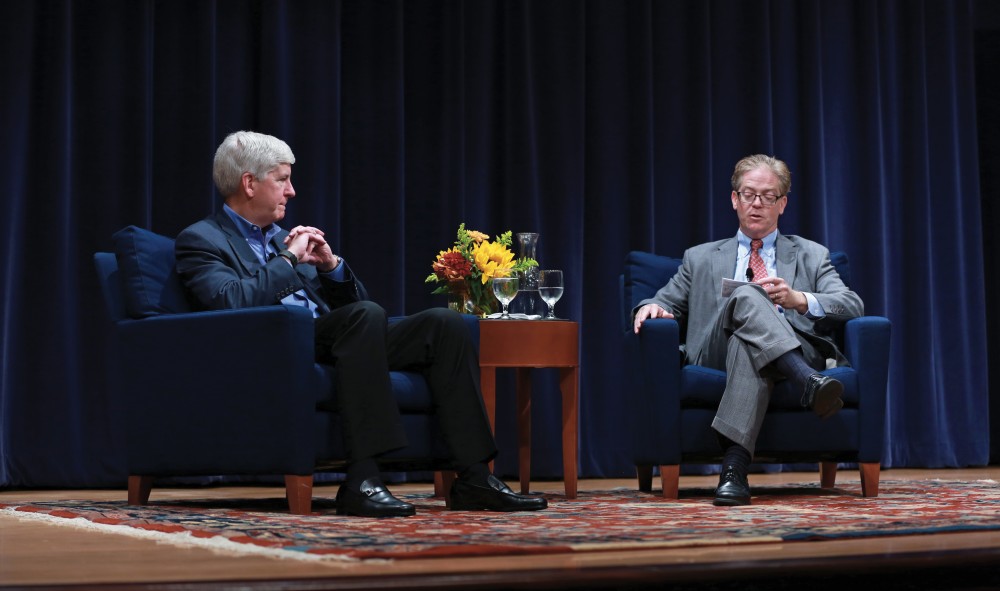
773 327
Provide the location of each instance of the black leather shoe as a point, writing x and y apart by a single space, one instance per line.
495 497
823 395
734 490
371 499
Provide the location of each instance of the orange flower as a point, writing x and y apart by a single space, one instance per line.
477 236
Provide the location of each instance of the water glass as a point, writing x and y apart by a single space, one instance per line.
550 288
505 288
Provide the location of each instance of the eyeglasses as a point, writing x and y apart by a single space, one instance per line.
748 197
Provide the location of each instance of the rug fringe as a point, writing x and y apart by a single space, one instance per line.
217 544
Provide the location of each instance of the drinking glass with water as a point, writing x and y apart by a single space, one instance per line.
550 288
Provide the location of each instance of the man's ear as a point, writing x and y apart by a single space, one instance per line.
246 181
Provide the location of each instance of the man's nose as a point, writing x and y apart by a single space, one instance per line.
289 189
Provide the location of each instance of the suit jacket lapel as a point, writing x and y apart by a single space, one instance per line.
786 255
724 265
238 243
724 259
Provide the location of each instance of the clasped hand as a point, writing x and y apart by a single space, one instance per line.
309 245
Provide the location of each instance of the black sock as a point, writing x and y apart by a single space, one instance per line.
361 470
735 454
794 367
477 473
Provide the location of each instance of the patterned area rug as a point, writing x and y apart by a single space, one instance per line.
596 521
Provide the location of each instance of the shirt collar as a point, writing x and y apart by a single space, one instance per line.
250 230
744 240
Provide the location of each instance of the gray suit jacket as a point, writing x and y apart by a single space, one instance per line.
221 271
694 296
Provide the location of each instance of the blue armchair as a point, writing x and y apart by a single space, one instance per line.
673 404
187 409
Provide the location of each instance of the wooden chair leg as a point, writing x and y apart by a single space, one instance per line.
298 491
827 474
443 479
670 477
438 485
869 478
139 488
645 474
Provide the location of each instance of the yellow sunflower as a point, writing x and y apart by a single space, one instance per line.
490 257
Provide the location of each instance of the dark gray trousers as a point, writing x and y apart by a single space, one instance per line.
749 335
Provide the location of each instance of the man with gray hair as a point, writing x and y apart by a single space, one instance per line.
775 327
239 257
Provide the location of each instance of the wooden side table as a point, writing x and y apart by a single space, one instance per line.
524 344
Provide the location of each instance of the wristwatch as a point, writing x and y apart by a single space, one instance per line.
294 260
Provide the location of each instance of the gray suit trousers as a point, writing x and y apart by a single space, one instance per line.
749 335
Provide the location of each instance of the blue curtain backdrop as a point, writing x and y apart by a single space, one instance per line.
606 126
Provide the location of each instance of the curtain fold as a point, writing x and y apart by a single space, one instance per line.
605 125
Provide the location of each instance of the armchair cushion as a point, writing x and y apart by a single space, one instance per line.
702 387
151 285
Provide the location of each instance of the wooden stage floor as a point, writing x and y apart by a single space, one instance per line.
48 556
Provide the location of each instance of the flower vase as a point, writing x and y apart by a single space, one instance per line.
527 300
457 302
460 300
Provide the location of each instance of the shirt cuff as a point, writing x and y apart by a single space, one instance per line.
336 273
815 309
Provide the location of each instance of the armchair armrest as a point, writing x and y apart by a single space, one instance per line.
866 346
472 323
654 388
190 387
